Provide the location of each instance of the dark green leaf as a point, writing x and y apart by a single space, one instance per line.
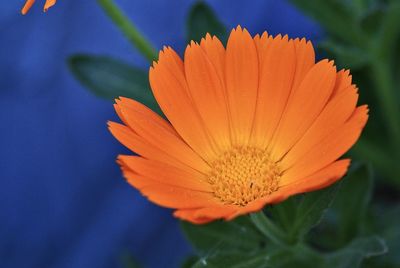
284 213
299 256
347 57
352 202
237 234
371 20
388 220
358 250
336 17
390 31
202 20
189 261
269 229
311 210
110 78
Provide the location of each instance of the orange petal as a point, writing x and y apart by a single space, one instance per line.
216 212
262 44
167 195
303 107
29 3
215 51
276 77
136 109
241 82
305 60
176 197
139 145
49 4
188 215
157 132
27 6
207 214
329 149
119 113
167 174
134 179
336 112
167 80
208 94
343 81
319 179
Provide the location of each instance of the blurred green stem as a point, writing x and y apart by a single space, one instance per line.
130 31
269 229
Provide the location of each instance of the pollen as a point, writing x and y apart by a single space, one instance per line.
243 174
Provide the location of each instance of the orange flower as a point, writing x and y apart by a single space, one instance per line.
249 125
29 3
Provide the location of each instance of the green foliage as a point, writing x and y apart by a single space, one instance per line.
295 217
239 234
387 222
351 204
269 229
335 16
358 250
202 20
348 217
347 56
110 79
311 210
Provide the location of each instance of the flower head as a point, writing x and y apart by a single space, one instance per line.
29 3
247 126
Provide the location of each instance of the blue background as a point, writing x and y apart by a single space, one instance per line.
63 202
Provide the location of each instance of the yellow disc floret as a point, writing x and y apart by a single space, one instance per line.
243 174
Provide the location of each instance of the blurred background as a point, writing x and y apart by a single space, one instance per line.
63 201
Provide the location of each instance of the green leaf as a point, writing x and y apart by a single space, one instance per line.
387 221
268 228
371 19
299 256
284 214
311 210
352 200
390 31
358 250
237 234
234 260
202 20
336 17
189 262
110 78
347 56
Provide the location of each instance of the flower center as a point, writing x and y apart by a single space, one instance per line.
243 174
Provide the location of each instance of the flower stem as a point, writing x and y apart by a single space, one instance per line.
269 229
129 29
